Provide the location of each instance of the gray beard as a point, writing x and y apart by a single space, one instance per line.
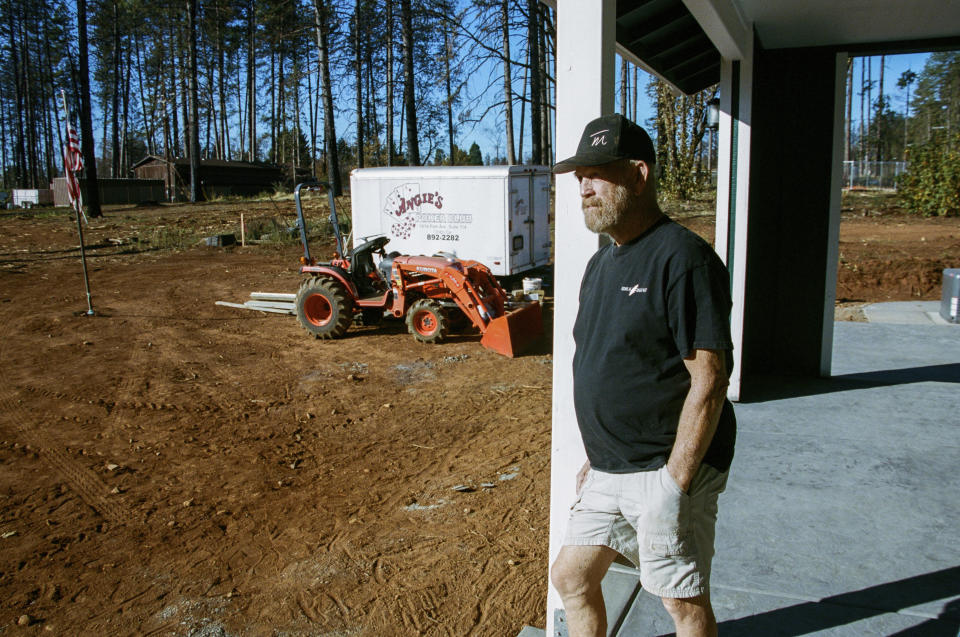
600 215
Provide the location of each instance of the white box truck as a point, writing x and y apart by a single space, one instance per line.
497 215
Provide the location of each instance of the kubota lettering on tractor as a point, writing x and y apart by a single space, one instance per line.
431 292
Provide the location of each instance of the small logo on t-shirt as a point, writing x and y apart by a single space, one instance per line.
633 290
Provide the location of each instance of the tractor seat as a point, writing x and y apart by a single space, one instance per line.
386 265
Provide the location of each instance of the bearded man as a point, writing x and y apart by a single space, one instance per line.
653 356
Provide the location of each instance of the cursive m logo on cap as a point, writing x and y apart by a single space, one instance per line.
599 139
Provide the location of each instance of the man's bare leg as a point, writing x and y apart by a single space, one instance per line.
693 617
576 574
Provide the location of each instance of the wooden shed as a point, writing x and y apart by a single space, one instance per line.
217 177
113 191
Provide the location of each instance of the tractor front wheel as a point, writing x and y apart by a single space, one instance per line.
324 308
427 321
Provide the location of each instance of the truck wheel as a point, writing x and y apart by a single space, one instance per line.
323 307
427 321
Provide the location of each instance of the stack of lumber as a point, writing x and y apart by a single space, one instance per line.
276 302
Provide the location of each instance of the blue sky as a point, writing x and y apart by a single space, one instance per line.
487 136
894 65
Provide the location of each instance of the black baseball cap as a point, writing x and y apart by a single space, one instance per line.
607 139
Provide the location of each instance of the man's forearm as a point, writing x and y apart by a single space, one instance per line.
699 416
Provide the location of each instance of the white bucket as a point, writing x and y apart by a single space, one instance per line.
532 283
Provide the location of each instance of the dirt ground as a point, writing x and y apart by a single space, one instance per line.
173 467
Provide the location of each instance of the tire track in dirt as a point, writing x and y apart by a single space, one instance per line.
109 405
82 480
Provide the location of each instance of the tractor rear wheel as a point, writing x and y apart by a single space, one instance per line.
324 308
427 321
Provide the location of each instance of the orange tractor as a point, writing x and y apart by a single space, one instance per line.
433 293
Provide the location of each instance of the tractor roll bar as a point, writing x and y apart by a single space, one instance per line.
317 186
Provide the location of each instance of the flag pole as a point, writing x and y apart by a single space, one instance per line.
78 209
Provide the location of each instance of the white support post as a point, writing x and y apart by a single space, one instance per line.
833 231
721 239
586 35
733 189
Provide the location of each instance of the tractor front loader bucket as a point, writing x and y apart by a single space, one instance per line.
511 333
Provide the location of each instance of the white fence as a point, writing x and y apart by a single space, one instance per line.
872 174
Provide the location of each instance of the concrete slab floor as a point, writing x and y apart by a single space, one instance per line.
906 313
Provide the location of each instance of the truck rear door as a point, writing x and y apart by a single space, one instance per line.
521 222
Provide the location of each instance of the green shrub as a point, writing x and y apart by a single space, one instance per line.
931 185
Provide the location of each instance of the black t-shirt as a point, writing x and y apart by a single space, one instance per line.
644 306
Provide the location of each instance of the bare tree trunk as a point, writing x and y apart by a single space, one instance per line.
193 130
315 153
358 68
544 26
313 121
50 114
507 86
211 123
390 82
533 38
174 104
124 142
409 97
403 115
624 107
863 86
281 124
329 127
168 154
447 54
3 146
878 120
86 119
115 96
184 82
296 160
273 108
223 133
847 129
33 146
20 152
372 133
251 82
148 121
28 100
170 97
523 104
869 127
241 150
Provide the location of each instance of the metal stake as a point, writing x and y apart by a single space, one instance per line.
83 260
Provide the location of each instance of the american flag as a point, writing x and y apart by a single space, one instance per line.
73 162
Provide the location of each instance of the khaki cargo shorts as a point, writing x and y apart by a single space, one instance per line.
644 516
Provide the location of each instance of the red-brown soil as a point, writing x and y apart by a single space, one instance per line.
885 254
173 467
